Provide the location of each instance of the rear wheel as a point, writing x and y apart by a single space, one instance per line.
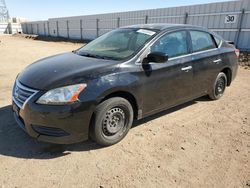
112 121
219 86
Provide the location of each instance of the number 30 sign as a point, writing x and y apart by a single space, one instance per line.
230 19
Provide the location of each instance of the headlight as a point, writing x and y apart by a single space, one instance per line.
63 95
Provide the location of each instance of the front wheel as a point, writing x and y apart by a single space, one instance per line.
112 120
219 86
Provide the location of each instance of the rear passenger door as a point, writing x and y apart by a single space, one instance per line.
206 60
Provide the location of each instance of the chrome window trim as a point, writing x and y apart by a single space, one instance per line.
195 53
187 55
138 61
221 42
175 58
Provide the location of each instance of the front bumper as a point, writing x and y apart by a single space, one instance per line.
55 124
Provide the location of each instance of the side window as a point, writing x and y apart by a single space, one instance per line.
140 40
201 41
173 44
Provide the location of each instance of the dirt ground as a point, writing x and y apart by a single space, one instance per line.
199 144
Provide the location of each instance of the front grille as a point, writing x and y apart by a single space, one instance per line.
21 94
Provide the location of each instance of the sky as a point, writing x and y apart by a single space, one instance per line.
44 9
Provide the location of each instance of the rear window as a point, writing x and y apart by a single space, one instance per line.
201 41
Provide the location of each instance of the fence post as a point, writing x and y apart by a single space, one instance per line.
97 27
81 29
118 22
57 29
26 28
37 29
48 29
240 21
146 19
186 18
32 29
44 28
67 22
9 28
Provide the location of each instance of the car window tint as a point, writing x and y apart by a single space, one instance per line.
173 44
201 41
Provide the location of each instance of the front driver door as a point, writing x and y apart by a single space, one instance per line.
170 83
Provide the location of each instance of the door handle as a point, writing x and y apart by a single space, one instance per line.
186 69
217 61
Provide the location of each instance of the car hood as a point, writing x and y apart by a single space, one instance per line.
64 69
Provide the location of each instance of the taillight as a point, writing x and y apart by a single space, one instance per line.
237 52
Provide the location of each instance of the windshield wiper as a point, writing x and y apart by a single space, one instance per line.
91 55
94 55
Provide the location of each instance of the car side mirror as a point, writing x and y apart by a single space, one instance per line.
156 57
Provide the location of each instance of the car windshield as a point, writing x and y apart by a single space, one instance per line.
119 44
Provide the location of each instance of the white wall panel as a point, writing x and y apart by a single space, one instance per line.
211 16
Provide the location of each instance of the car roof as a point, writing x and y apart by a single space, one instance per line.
163 26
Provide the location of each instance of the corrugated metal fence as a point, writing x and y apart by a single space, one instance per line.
10 28
229 19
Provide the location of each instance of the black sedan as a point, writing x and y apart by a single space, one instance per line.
129 73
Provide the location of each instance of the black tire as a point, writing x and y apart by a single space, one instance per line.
219 86
112 120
